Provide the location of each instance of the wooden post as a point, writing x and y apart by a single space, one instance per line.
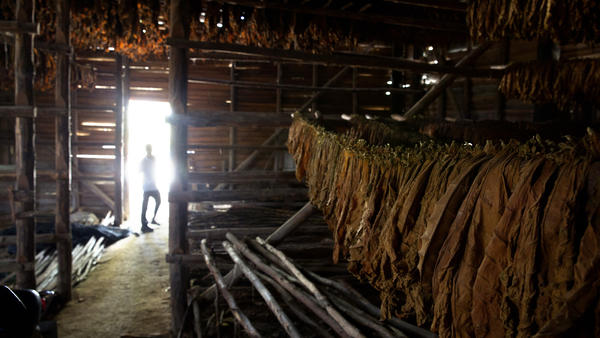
118 211
397 105
354 94
24 152
315 81
500 98
468 89
279 90
544 111
125 89
178 73
62 159
75 188
232 98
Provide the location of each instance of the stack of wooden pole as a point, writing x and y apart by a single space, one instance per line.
85 257
318 305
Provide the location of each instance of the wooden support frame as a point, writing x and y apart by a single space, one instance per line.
314 88
178 74
236 146
231 119
19 27
24 147
242 177
118 199
281 194
441 86
339 59
62 154
404 21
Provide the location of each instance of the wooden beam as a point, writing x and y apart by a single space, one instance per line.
24 146
118 209
62 100
436 4
444 82
178 86
39 238
19 27
339 59
98 192
313 88
242 177
231 119
239 195
392 20
235 146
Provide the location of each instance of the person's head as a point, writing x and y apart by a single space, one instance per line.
149 149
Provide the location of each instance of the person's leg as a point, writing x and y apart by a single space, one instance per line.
156 195
144 208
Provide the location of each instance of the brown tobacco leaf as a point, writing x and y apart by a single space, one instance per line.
474 241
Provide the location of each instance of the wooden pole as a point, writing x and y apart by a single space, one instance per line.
24 151
235 310
178 73
276 237
264 292
118 211
350 329
125 89
62 159
279 91
232 106
368 61
315 82
354 94
299 294
75 188
444 82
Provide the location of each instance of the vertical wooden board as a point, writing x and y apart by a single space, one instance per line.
178 75
24 148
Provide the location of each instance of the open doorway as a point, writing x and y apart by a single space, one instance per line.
146 124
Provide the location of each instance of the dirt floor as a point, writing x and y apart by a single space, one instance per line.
126 295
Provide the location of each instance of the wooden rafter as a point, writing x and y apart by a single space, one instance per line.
338 59
394 20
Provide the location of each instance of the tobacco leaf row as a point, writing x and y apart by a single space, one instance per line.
566 83
573 21
472 240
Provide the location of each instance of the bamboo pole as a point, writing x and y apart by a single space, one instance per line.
321 299
282 279
62 155
264 292
24 146
235 310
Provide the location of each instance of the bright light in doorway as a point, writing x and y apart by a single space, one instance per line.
146 124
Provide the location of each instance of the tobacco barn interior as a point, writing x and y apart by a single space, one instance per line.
398 168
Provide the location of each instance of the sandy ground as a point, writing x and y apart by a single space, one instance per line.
127 293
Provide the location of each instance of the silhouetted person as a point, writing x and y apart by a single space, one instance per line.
150 190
